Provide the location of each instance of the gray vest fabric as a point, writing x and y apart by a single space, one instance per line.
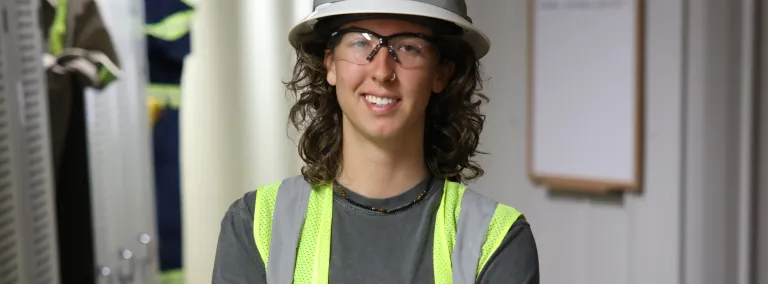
474 220
290 211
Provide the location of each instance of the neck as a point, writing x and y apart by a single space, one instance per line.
382 170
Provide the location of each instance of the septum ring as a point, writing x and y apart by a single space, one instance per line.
394 76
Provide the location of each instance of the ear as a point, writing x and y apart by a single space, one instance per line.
330 66
444 73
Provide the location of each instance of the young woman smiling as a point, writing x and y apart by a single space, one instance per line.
388 106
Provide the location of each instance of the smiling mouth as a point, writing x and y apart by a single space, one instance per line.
380 101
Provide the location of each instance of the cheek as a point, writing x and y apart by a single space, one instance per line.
348 78
418 86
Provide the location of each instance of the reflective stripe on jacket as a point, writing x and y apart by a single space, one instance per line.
292 231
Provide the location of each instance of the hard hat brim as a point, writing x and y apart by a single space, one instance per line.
472 35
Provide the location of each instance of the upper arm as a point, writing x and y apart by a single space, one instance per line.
237 258
516 261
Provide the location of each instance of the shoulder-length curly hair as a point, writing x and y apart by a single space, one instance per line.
453 118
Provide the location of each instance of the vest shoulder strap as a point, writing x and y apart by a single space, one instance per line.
468 230
503 218
264 209
474 221
292 222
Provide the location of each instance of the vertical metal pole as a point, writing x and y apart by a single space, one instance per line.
747 132
761 209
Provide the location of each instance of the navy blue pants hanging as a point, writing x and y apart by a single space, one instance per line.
168 189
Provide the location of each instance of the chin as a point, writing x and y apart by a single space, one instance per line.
382 131
383 134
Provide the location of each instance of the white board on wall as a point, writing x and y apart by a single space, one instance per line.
585 94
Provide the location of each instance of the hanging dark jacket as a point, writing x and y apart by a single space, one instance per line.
80 53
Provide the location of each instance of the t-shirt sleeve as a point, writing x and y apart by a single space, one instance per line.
237 258
516 261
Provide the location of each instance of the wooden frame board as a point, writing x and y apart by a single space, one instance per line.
593 166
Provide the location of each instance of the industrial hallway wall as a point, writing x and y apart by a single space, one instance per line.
683 227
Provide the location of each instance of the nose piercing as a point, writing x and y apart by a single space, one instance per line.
394 76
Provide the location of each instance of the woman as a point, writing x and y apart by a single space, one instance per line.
388 106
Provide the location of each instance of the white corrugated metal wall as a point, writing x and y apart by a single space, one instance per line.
233 124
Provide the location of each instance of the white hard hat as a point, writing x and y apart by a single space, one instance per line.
453 11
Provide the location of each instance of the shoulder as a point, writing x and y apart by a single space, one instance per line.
504 209
521 231
245 206
516 260
237 257
516 257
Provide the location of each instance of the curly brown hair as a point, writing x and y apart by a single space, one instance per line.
453 118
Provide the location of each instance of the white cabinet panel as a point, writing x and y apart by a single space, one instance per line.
120 156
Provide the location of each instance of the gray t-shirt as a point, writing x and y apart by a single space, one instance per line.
370 247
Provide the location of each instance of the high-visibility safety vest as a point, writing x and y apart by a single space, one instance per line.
292 230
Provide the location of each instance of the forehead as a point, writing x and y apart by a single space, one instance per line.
387 27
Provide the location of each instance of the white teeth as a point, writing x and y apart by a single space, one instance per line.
379 100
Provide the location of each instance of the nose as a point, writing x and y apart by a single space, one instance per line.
383 64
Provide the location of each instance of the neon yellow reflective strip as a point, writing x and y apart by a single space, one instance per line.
262 218
172 27
154 110
172 277
168 95
105 76
501 222
446 222
323 250
58 30
314 252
